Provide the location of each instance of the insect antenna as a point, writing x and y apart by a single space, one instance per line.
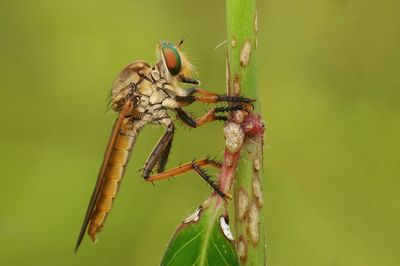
183 38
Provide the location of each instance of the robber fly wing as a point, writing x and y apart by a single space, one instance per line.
100 184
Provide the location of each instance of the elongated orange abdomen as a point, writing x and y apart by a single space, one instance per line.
114 170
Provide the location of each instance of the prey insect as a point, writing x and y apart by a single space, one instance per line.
143 94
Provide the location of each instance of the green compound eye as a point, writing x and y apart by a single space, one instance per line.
172 58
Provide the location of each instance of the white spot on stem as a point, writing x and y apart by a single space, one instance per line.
234 136
243 204
256 164
254 223
242 248
225 228
245 53
258 191
233 42
236 85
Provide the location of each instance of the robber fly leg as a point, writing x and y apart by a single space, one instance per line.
183 169
208 179
188 80
208 97
160 153
193 166
210 116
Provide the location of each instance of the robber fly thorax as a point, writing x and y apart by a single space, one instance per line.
143 94
152 89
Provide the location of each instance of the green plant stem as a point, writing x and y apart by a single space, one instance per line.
241 79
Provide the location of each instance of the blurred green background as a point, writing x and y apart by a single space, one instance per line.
329 76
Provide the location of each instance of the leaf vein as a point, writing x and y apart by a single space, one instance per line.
219 252
182 247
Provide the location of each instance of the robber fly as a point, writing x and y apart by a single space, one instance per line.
143 94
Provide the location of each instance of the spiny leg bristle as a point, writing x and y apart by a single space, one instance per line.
208 179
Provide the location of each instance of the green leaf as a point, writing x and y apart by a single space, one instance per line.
203 238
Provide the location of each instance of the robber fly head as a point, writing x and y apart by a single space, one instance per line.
173 61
